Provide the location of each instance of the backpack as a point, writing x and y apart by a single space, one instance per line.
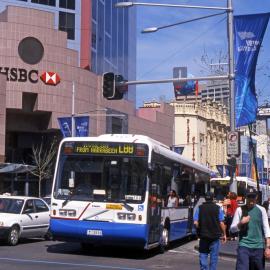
244 228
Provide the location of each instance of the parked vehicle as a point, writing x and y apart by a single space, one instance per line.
47 199
23 217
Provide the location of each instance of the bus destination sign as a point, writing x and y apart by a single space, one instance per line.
104 148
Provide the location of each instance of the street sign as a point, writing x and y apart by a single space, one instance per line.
233 143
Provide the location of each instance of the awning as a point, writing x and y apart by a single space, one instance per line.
15 168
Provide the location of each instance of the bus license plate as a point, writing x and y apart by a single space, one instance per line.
94 232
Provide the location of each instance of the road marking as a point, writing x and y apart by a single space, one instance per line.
177 251
70 264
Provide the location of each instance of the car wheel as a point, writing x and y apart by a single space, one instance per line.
48 236
13 236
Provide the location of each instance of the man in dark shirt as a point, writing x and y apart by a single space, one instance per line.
209 221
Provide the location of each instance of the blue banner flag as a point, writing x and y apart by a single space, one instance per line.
248 35
65 126
188 88
82 126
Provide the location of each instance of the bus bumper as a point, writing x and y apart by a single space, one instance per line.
100 233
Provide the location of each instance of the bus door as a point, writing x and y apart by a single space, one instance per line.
190 211
154 206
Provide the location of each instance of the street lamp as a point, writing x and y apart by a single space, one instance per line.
155 29
231 75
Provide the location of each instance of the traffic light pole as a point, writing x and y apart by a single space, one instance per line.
174 80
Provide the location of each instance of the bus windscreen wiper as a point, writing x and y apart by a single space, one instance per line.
69 197
127 206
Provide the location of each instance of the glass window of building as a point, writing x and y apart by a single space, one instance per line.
94 35
93 61
108 16
44 2
120 33
125 43
117 125
67 24
68 4
94 10
100 38
108 47
114 34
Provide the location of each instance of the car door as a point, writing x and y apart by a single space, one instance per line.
43 217
28 219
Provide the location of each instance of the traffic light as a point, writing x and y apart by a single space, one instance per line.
108 85
111 86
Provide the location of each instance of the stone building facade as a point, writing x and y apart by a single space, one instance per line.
200 130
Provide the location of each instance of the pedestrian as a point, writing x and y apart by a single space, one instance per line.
209 221
173 200
267 208
231 208
251 222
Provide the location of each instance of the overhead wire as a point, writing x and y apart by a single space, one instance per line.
191 42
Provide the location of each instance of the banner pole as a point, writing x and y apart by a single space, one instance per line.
73 111
233 182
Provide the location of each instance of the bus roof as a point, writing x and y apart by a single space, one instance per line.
154 145
238 178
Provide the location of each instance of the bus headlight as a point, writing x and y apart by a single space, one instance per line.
71 213
121 216
67 212
126 216
131 217
63 212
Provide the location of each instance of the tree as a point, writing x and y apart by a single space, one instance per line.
214 64
43 159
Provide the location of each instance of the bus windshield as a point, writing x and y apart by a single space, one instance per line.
103 178
220 188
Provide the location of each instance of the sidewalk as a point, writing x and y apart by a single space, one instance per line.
229 249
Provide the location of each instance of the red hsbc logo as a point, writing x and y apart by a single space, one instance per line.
50 78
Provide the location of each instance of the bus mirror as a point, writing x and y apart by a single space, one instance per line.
71 183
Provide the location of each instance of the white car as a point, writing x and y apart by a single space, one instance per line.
23 217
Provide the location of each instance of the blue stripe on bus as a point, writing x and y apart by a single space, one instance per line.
178 230
112 233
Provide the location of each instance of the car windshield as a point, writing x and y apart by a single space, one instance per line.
101 178
11 206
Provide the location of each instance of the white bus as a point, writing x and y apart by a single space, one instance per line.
112 189
221 187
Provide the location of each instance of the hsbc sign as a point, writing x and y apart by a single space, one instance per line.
23 75
50 78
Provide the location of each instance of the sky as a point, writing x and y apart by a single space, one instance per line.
184 45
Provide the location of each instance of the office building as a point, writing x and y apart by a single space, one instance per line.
103 36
